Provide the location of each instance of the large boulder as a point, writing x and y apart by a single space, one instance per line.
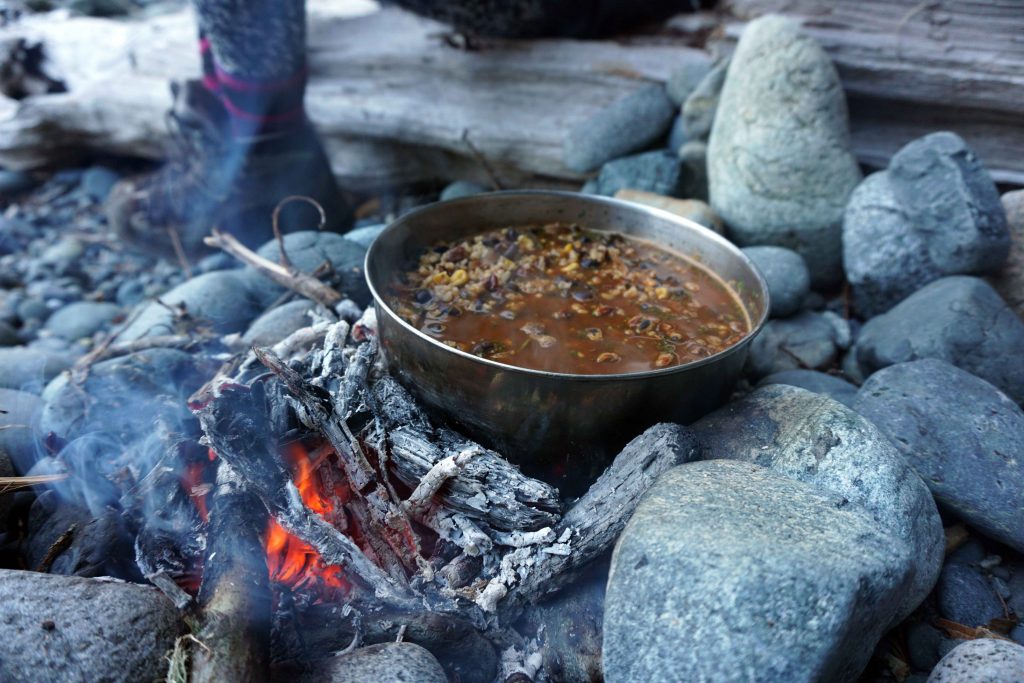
958 319
62 628
974 464
780 169
934 212
1009 282
818 441
729 571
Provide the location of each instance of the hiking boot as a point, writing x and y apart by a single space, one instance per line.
215 180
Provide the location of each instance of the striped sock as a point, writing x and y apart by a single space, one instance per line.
209 70
262 106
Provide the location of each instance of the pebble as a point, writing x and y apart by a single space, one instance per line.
694 155
923 642
974 465
1009 282
8 335
627 125
365 235
693 209
729 571
33 309
62 628
383 663
82 319
18 440
787 276
460 188
658 172
278 323
29 369
781 129
807 340
14 182
818 441
985 660
958 319
685 79
823 383
966 596
676 136
699 108
98 181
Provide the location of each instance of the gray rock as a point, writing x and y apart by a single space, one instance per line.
728 571
222 300
1010 280
61 628
701 104
278 323
384 663
8 335
33 308
627 125
685 79
974 464
365 235
658 172
985 660
460 188
13 182
819 441
950 198
851 368
787 276
808 340
82 319
958 319
885 258
17 437
817 382
29 369
923 643
780 169
966 597
98 181
676 136
694 155
570 628
1017 634
307 251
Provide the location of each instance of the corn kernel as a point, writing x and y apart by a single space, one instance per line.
661 292
459 277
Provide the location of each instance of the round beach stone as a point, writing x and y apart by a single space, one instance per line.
985 660
460 188
1009 282
383 663
625 126
694 155
693 209
658 172
17 436
685 78
787 276
698 110
974 464
821 442
82 319
808 340
729 571
966 596
951 200
885 258
817 382
780 169
63 628
365 235
958 319
278 323
307 251
29 369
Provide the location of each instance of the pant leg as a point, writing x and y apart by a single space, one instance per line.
256 40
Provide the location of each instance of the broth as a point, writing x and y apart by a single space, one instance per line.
564 299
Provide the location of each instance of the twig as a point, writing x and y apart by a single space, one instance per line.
495 184
8 484
60 545
434 479
179 251
166 341
276 224
293 279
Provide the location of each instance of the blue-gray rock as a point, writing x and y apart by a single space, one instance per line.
950 199
82 319
1009 282
307 251
590 187
460 188
278 323
807 340
694 155
973 464
958 319
787 276
29 369
8 335
676 136
33 308
821 442
98 181
885 258
1017 634
701 104
923 642
780 169
685 79
984 660
13 182
64 628
728 571
222 300
966 596
627 125
851 368
383 663
365 235
817 382
18 410
130 292
658 172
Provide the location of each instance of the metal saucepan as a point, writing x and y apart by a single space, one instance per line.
555 424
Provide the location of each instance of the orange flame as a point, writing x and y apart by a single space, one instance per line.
291 561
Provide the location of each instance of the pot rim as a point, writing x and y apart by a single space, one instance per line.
755 328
